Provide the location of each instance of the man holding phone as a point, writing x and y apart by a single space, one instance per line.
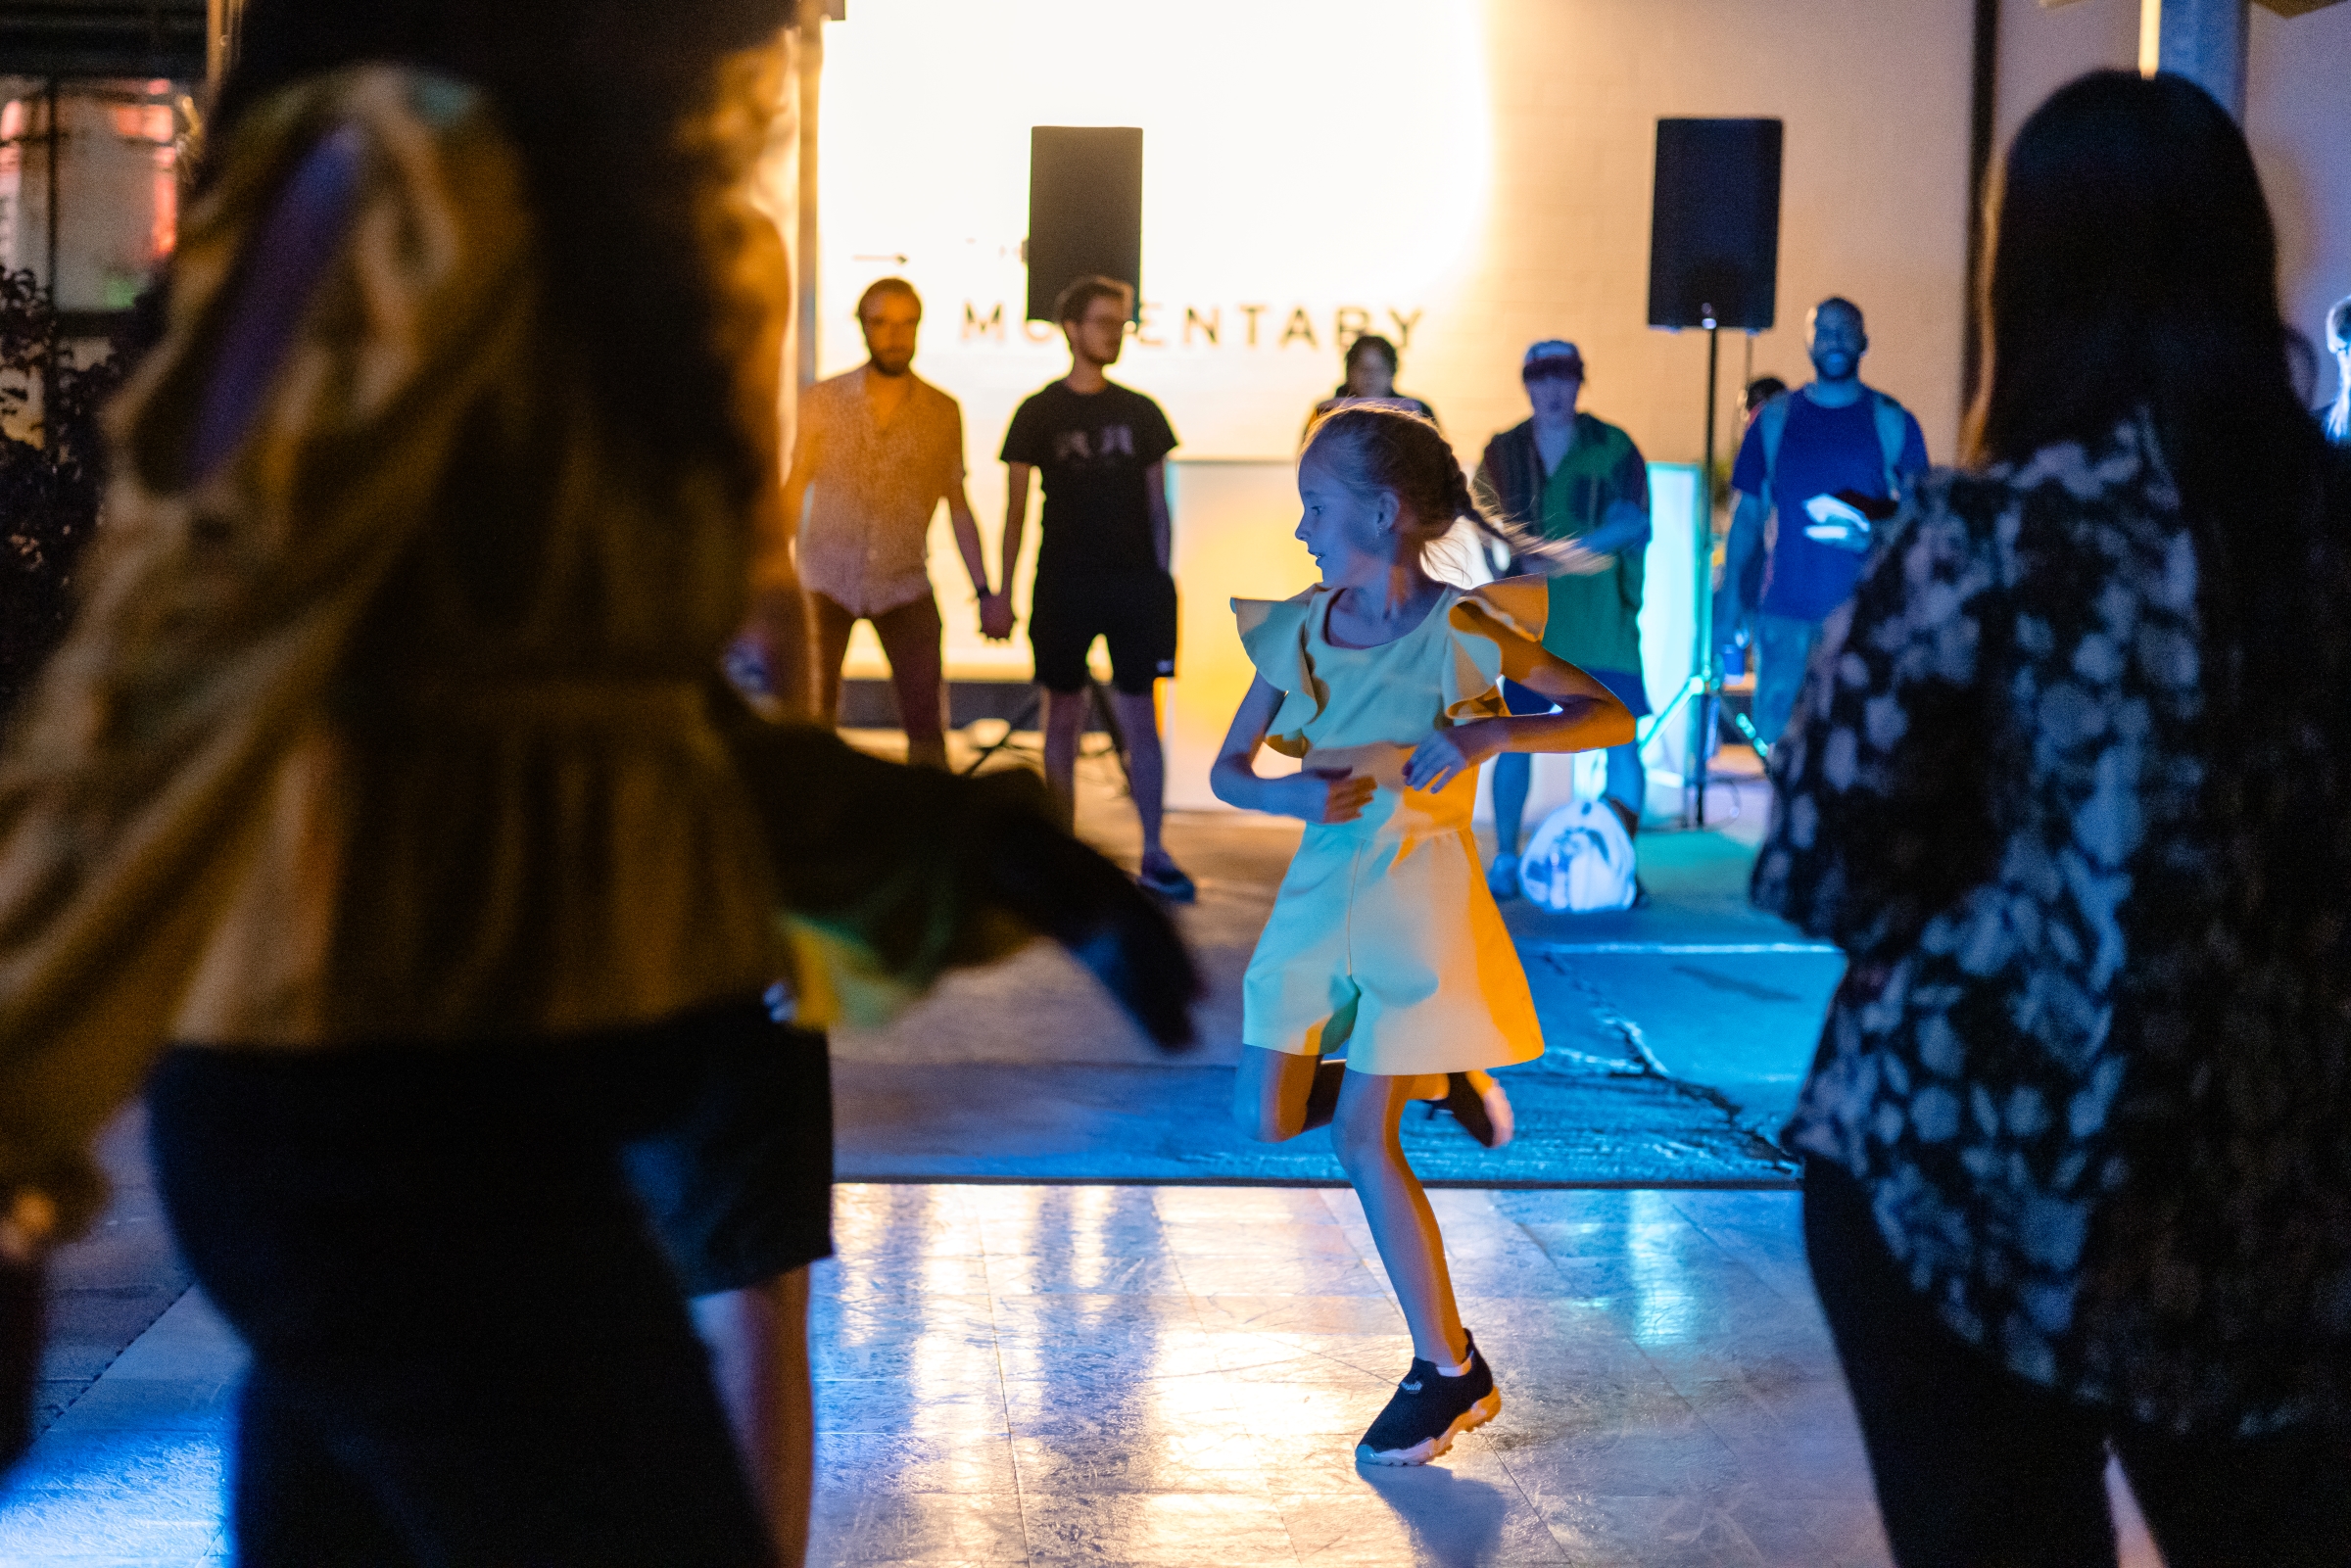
1814 465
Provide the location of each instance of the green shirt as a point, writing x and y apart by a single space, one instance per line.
1595 621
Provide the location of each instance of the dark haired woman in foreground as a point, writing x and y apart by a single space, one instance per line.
2071 787
384 771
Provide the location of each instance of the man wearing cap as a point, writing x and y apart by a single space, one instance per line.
1566 476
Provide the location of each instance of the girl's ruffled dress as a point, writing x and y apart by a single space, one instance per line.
1384 942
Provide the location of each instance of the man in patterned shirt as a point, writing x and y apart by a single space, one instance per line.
878 450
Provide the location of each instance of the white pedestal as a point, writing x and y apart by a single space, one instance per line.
1235 524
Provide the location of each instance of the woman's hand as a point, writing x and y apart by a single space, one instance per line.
26 1226
1447 754
1322 795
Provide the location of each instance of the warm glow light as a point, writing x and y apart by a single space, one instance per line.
1298 157
1310 170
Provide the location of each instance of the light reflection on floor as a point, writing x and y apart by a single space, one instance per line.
1174 1375
134 1471
1179 1375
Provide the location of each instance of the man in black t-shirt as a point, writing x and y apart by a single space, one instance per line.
1102 567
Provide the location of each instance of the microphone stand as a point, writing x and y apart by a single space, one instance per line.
1705 674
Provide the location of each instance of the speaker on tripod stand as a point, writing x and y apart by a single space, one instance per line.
1714 262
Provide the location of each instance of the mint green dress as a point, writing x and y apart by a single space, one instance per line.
1384 942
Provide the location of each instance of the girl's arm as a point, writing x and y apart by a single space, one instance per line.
1322 795
1590 719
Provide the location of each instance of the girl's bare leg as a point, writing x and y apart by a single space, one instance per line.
1363 1132
759 1341
1277 1095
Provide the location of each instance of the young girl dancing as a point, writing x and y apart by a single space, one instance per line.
1384 941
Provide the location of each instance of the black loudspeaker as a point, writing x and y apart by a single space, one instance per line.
1715 224
1086 209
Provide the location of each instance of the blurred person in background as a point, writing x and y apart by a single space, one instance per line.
385 770
1830 436
1567 476
880 447
1370 367
2070 784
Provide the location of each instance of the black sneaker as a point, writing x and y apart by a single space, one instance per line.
1428 1412
1477 1103
1162 877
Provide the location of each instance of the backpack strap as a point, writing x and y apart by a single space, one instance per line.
1887 416
1893 425
1772 425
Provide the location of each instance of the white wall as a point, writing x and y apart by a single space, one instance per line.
2297 116
2043 49
1480 169
1476 169
1235 522
1874 94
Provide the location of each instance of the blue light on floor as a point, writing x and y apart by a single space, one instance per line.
86 1496
136 1471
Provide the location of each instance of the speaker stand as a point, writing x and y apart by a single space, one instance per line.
1705 679
1031 712
1708 691
1706 671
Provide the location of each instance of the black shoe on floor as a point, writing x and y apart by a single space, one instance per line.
1427 1412
1162 877
1477 1103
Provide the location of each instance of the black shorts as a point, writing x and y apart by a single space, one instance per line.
467 1345
1135 612
739 1182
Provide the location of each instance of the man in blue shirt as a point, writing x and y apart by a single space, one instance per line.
1806 446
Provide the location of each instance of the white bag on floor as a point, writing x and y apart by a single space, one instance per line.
1579 860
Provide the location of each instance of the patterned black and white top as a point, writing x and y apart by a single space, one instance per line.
2104 1121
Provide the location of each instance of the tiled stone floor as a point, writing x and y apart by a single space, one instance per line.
1177 1375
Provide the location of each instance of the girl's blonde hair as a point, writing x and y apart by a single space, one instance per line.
1374 446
